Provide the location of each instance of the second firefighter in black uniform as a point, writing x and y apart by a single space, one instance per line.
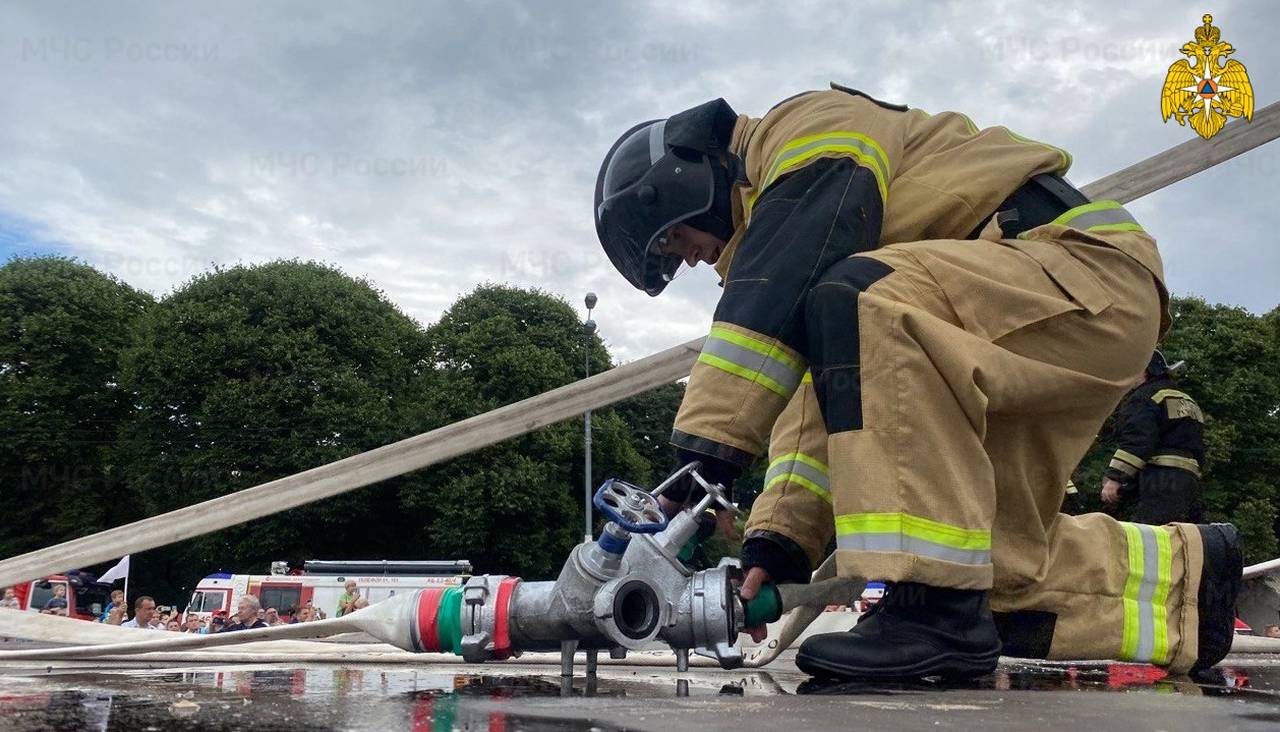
1160 450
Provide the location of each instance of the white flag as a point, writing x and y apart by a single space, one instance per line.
120 571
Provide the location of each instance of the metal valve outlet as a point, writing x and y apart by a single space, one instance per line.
626 590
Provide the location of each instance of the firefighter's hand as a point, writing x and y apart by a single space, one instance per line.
756 576
1110 491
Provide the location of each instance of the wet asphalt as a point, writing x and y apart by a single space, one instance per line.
509 697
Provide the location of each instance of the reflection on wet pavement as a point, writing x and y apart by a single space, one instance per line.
440 698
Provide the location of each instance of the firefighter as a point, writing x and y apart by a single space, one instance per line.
1160 449
1071 503
924 324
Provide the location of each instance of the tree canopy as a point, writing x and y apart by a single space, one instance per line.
115 406
516 507
248 374
62 327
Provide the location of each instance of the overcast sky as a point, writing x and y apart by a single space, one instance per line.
431 147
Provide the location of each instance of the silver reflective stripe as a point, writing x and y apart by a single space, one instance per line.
1104 217
902 543
1146 591
802 150
804 470
785 376
656 148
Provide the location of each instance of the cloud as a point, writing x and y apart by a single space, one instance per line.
435 146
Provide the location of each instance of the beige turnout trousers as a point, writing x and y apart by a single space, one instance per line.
986 368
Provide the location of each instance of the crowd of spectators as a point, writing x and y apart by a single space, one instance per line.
146 614
249 614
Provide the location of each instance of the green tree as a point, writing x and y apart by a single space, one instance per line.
516 507
62 327
649 417
252 373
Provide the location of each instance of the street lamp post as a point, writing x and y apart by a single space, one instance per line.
588 329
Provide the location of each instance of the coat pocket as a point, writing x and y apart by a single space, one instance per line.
999 287
1073 277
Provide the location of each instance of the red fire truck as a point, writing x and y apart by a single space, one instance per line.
85 599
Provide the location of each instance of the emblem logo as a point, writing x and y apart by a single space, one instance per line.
1206 88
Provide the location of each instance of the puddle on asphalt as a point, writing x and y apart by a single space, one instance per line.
1262 683
437 700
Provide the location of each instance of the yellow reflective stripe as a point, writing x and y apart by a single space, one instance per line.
1063 154
752 359
1129 601
855 144
1067 216
1130 458
1145 635
802 481
801 469
802 458
761 347
914 526
807 378
1164 550
1099 216
1163 394
1176 461
1123 467
746 373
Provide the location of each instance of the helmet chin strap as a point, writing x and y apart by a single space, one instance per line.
718 220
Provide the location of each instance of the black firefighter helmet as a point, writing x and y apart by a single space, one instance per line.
661 173
1158 366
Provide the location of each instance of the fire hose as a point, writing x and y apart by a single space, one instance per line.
626 591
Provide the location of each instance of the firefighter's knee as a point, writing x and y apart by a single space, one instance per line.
831 321
832 305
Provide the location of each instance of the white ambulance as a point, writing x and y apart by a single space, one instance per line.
321 583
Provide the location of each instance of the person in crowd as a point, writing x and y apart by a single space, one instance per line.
174 626
1272 631
56 605
272 617
306 613
10 599
193 624
218 622
117 600
347 600
361 602
116 615
246 617
144 614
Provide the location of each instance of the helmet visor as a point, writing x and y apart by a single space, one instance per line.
633 212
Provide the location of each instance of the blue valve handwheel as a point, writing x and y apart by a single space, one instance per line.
630 507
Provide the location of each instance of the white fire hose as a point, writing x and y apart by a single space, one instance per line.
805 603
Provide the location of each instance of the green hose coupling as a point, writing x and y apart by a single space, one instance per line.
765 607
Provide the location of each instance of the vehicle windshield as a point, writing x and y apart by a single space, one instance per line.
205 602
41 592
92 599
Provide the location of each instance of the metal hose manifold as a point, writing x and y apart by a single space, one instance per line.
625 591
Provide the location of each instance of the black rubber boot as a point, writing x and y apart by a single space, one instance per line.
915 631
1219 588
